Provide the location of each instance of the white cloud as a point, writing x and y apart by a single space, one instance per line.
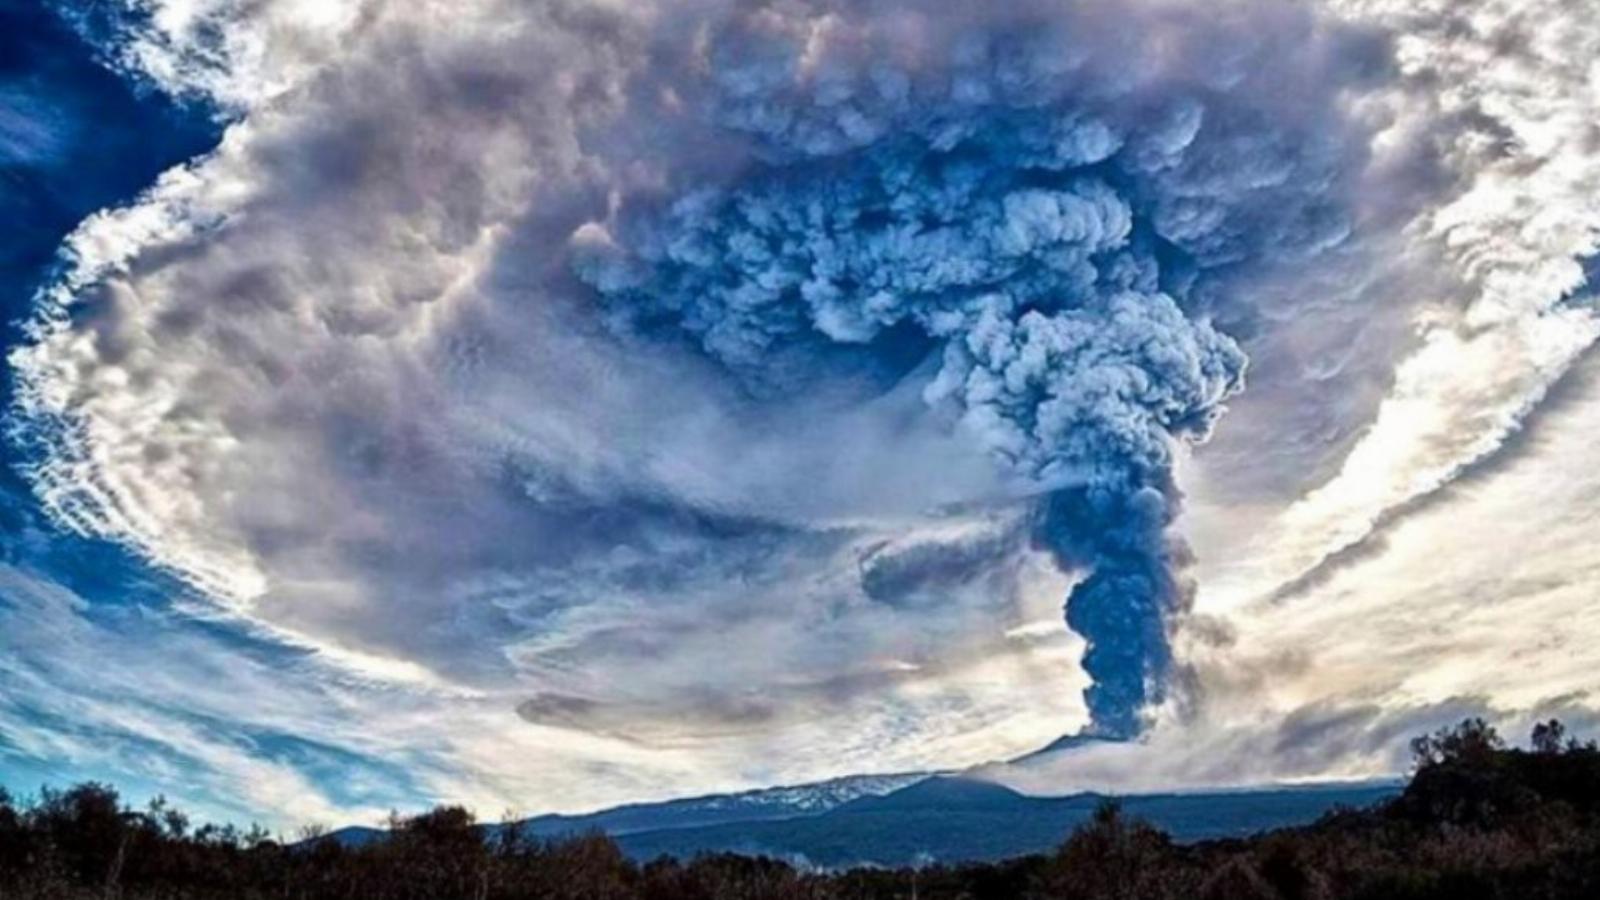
1505 96
337 375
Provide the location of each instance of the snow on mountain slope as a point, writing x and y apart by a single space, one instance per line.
763 804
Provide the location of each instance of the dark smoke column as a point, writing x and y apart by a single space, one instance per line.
1091 404
1126 605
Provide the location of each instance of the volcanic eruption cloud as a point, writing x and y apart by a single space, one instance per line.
1052 216
689 372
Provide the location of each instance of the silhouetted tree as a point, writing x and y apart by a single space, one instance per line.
1286 866
1111 857
1237 879
1472 741
1549 737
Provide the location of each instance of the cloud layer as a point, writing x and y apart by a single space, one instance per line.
662 387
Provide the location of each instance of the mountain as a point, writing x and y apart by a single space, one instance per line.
958 819
350 836
909 818
1071 741
760 805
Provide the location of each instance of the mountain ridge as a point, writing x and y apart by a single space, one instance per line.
956 819
916 817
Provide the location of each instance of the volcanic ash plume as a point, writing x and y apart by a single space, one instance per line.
1054 234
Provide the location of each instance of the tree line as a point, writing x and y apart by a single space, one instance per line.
1477 819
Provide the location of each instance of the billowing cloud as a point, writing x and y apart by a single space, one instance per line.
354 345
1049 227
723 378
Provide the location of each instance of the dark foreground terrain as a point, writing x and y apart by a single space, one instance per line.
1477 820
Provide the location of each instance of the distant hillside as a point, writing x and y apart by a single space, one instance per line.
903 819
747 806
760 805
958 820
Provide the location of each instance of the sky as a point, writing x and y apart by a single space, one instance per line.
547 404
